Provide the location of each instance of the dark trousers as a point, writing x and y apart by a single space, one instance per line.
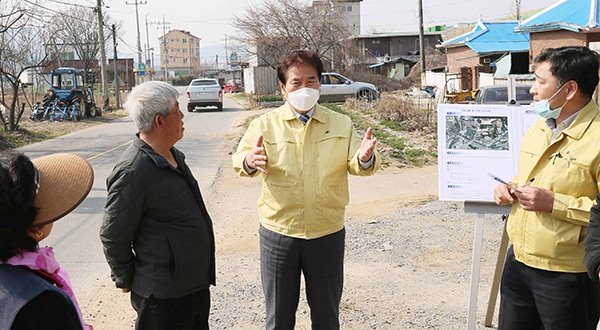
188 312
534 299
321 260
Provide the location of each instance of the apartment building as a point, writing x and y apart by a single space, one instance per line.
180 53
348 9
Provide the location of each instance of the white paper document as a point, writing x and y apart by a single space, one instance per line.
476 140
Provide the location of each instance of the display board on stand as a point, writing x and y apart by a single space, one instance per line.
478 146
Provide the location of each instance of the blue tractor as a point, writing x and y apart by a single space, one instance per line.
67 98
67 84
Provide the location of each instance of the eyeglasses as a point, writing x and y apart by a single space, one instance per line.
37 179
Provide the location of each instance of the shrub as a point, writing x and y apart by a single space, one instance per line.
270 98
411 114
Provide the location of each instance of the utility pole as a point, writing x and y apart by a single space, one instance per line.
147 43
117 79
165 55
226 55
421 43
102 56
137 19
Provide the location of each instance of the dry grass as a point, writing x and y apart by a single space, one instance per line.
412 114
399 146
33 131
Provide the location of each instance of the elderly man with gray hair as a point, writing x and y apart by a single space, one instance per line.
157 234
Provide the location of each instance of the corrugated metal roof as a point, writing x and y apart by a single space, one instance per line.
572 15
492 37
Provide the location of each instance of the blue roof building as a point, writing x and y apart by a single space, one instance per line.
492 38
570 15
479 50
565 23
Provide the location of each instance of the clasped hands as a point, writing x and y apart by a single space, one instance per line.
257 159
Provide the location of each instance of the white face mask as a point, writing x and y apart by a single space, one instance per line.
303 99
543 107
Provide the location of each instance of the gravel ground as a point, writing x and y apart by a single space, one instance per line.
407 265
409 269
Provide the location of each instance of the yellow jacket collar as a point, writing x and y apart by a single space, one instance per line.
582 121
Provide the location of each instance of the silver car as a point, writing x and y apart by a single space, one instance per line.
337 88
204 92
498 94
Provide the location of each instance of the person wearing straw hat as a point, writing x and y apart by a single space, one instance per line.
157 234
35 292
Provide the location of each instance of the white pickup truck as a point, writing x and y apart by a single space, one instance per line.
204 92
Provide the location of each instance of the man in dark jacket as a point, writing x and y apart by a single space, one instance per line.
157 235
592 242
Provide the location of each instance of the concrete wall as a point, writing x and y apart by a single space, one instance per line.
260 80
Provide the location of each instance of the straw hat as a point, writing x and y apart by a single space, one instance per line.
64 182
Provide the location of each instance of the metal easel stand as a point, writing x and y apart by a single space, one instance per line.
481 209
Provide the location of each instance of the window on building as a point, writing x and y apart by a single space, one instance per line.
177 40
184 41
174 59
185 60
185 50
375 42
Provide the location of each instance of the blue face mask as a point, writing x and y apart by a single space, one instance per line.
543 107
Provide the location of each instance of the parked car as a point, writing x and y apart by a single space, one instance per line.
337 88
233 86
204 93
498 94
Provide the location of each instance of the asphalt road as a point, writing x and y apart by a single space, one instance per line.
75 238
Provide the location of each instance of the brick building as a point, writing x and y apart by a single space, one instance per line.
566 23
479 50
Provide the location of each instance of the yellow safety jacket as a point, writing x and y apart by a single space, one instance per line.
305 192
569 166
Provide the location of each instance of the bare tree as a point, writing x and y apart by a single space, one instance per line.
279 26
9 19
78 33
20 51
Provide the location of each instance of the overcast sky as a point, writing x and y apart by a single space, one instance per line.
211 20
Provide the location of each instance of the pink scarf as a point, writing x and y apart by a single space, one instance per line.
43 260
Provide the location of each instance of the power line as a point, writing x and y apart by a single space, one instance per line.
57 12
71 4
126 44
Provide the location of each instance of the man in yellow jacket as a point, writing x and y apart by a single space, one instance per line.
544 283
303 153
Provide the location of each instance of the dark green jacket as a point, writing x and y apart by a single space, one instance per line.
157 235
